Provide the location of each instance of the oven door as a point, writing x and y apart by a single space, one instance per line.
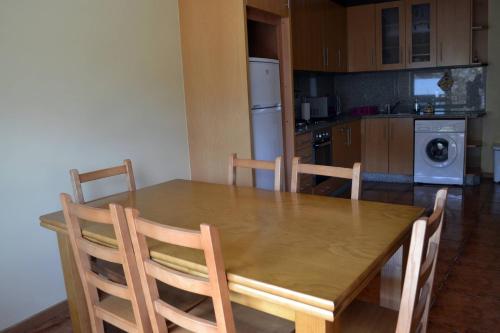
322 156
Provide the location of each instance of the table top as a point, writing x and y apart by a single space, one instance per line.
312 251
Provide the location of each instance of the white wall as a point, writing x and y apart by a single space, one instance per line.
491 123
83 84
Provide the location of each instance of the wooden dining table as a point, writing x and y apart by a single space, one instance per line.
297 256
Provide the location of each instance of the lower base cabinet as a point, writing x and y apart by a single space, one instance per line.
388 145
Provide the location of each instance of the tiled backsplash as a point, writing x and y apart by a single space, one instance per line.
468 92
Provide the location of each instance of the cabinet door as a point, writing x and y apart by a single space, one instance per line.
361 38
278 7
401 138
390 28
421 33
307 34
354 143
375 145
340 143
335 37
454 32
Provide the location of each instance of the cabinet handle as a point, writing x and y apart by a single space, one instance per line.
409 55
373 57
327 51
350 135
441 51
340 58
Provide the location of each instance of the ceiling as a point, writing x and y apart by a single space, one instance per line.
358 2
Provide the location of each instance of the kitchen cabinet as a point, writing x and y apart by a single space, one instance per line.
319 35
278 7
390 38
454 32
361 38
307 35
375 145
388 145
346 144
304 150
401 141
421 33
335 37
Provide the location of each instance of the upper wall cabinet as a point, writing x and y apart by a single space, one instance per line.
307 35
390 28
319 36
454 32
278 7
421 33
361 38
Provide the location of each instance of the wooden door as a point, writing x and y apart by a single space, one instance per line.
340 145
454 32
335 37
421 33
375 145
361 38
401 141
390 29
307 35
278 7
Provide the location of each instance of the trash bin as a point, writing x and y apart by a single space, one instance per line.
496 162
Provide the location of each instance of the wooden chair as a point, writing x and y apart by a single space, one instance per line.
124 306
78 178
235 162
328 171
417 289
214 316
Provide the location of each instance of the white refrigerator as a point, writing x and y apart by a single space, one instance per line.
267 130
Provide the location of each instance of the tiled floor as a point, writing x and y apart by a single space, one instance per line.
467 292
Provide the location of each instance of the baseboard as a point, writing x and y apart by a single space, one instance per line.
44 319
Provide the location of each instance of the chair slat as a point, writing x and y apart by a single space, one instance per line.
177 279
324 170
171 235
254 164
115 320
434 222
107 286
428 264
99 251
103 173
184 319
420 308
91 214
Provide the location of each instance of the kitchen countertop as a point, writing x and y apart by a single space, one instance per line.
348 118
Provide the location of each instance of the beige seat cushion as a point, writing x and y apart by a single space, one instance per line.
362 317
247 320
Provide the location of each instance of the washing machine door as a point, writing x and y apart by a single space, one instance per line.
440 151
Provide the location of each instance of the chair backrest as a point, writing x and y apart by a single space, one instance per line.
79 178
420 270
328 171
215 286
84 249
235 162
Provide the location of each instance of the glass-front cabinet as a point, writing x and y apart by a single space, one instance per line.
421 33
390 35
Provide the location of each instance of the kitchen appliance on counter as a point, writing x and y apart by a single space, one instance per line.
439 151
267 128
322 151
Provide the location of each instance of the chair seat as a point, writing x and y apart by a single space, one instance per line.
362 317
246 320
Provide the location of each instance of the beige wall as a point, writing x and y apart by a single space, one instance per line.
85 84
491 123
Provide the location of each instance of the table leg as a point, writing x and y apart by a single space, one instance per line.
74 289
305 323
392 277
